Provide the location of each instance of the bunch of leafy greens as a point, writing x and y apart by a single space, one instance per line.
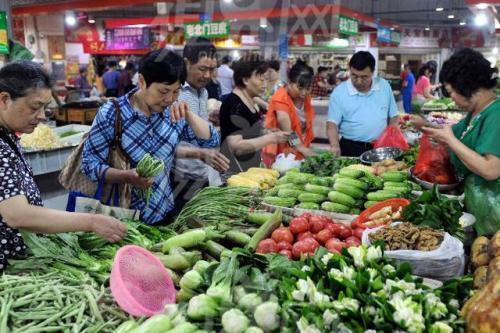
325 164
436 211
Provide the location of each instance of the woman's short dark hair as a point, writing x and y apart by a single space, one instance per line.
18 78
112 63
197 48
322 69
162 66
301 74
274 64
467 71
246 66
362 59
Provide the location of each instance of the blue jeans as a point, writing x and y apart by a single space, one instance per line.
407 103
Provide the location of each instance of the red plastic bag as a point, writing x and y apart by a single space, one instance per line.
392 137
433 163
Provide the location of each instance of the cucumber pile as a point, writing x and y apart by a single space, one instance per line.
349 192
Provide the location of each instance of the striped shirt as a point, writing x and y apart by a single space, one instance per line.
155 135
197 100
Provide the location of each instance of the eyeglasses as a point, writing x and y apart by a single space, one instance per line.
363 78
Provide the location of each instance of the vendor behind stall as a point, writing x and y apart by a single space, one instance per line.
25 92
154 123
475 141
290 110
360 108
240 121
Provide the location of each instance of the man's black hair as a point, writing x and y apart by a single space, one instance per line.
197 48
362 59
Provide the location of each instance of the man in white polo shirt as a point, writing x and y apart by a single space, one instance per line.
225 76
360 108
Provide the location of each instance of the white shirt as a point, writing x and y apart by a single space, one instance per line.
225 77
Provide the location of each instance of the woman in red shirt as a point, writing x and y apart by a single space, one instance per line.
290 110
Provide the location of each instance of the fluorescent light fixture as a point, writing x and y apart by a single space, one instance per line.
427 28
263 22
494 50
338 42
136 26
462 23
235 54
228 1
451 16
91 20
482 6
481 19
70 18
439 9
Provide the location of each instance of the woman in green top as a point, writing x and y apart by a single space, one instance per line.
474 142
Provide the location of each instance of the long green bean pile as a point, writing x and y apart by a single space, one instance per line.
56 302
148 167
217 206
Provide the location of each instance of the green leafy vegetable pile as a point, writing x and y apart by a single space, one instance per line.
325 164
436 211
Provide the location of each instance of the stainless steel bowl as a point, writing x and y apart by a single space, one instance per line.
380 154
428 186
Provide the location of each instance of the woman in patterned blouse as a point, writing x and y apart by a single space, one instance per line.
25 92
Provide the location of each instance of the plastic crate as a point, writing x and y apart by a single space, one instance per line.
75 138
43 162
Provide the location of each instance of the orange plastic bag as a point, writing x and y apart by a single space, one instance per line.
392 137
433 163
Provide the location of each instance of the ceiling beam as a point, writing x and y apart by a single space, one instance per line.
79 5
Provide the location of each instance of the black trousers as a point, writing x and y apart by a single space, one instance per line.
353 148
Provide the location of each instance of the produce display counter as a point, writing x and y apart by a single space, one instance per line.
78 112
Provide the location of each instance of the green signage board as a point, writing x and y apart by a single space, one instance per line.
208 29
4 36
348 25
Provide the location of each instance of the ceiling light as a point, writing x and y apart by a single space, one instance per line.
495 50
91 20
263 22
439 9
481 19
482 6
70 18
228 1
427 28
462 23
235 54
451 16
338 43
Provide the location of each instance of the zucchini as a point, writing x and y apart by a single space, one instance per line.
370 203
308 205
318 189
356 193
127 326
258 218
311 197
335 207
341 198
381 195
358 183
394 176
187 239
277 201
237 237
265 230
351 173
214 249
288 193
159 323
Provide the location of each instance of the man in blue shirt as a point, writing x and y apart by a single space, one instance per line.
360 108
111 79
407 88
152 122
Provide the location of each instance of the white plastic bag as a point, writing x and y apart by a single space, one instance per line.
443 263
283 163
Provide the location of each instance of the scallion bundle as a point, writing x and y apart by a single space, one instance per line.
148 167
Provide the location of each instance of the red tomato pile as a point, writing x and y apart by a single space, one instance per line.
308 232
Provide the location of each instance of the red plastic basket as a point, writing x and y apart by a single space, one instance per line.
140 283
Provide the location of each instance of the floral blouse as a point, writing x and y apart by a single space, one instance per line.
16 178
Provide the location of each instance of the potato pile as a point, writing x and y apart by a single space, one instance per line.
388 165
485 260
